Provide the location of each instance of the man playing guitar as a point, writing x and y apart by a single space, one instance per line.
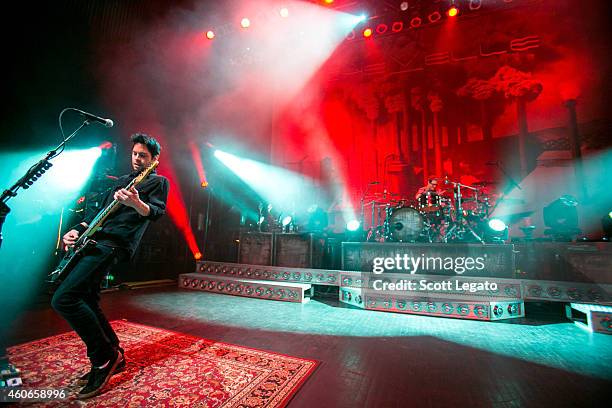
77 297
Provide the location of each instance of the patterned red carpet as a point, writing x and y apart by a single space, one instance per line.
166 369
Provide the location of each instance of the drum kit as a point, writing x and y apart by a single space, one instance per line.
455 213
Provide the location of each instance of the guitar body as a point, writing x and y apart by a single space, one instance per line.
69 260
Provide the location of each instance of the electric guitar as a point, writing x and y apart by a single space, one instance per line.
85 241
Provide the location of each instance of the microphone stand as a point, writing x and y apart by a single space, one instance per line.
9 375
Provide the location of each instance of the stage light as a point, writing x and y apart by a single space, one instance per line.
287 220
475 4
382 28
245 23
404 6
210 34
204 184
497 225
453 11
197 256
434 17
353 225
284 12
73 168
358 19
105 145
495 231
328 1
415 22
367 33
606 225
397 26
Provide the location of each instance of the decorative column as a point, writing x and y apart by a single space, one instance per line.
574 138
435 105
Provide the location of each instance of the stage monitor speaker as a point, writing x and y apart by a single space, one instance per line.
298 250
256 248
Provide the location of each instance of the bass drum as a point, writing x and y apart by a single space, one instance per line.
406 224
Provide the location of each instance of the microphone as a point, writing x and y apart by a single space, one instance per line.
91 117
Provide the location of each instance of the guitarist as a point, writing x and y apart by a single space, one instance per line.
77 297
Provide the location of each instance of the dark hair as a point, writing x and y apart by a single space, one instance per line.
152 145
429 180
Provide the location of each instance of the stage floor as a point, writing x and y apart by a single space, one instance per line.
374 359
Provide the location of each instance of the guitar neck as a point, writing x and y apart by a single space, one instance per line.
102 215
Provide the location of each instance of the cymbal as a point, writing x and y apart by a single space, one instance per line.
385 194
485 183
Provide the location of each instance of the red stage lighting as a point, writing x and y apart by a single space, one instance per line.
351 35
475 4
197 256
382 28
435 16
397 26
106 145
415 22
245 23
210 34
453 11
328 1
367 33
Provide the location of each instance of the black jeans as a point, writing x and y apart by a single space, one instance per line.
77 297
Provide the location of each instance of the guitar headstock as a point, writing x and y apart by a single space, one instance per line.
146 171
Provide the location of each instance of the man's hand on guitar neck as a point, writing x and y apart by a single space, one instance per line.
132 199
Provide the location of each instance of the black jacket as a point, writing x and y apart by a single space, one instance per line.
124 228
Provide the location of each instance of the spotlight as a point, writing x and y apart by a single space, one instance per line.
353 225
245 23
497 225
404 5
367 33
210 34
475 4
284 12
204 184
434 17
328 1
397 26
561 217
287 220
415 22
359 19
382 28
495 231
354 232
453 11
197 256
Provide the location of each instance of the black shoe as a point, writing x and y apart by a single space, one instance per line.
82 380
99 377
